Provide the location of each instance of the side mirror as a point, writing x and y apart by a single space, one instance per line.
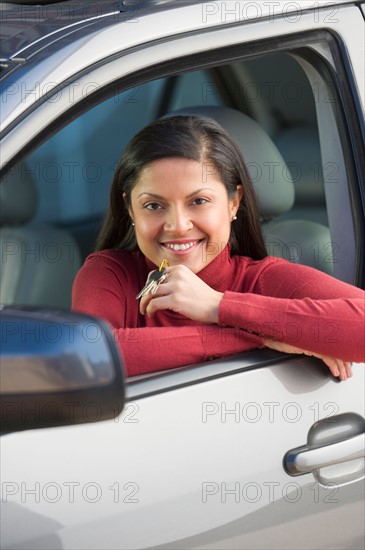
57 368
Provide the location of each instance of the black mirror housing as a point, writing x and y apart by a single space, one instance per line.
57 368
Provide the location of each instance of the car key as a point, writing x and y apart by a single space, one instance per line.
154 280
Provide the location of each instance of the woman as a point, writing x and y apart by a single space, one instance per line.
181 193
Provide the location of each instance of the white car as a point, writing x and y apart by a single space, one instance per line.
261 450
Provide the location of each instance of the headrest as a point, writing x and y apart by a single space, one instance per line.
18 197
269 173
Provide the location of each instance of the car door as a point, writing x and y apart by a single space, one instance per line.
260 450
196 460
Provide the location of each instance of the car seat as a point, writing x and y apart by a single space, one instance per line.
38 261
299 241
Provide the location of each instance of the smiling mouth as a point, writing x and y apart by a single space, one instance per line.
183 246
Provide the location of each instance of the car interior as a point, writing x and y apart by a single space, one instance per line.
53 202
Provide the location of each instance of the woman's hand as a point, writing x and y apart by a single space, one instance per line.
183 292
338 368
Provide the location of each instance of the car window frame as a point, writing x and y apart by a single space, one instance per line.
261 45
147 385
205 60
231 54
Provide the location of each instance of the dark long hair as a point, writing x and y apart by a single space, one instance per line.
191 137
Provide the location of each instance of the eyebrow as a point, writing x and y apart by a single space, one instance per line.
155 196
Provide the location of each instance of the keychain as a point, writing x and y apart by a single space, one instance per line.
154 280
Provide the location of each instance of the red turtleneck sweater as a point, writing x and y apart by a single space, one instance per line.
273 297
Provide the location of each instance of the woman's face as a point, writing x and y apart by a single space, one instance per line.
182 212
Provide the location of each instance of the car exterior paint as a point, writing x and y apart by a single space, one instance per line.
195 459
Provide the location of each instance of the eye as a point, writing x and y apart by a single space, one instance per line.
199 200
152 206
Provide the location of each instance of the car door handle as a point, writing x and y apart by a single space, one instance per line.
303 460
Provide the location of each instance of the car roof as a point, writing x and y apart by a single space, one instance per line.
29 25
39 39
26 24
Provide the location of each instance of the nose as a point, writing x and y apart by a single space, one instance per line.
178 221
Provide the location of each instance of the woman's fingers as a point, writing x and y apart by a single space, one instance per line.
341 365
348 369
345 368
145 299
340 369
331 364
185 294
158 303
148 298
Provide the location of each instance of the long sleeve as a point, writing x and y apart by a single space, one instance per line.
302 307
103 288
151 349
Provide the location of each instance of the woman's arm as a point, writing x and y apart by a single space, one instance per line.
302 307
151 349
100 289
342 369
292 303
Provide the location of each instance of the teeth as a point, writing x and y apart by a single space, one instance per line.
180 246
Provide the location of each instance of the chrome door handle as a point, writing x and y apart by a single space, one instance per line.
303 460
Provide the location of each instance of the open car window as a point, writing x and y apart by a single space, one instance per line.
288 93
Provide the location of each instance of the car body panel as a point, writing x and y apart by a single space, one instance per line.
210 454
28 25
30 28
196 458
72 63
